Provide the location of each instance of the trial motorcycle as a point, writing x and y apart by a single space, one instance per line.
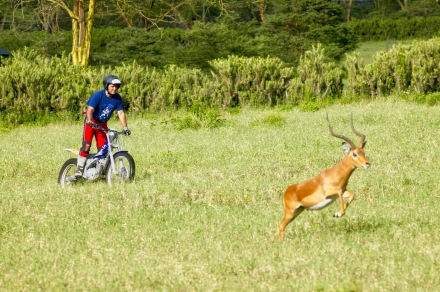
112 163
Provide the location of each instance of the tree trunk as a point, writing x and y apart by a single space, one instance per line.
262 10
82 25
88 34
403 5
348 4
2 26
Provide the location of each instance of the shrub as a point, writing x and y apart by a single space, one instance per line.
317 78
405 68
379 28
250 81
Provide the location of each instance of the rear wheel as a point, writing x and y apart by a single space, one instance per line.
67 172
125 169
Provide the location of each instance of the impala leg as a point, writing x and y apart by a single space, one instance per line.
332 192
341 203
350 196
289 215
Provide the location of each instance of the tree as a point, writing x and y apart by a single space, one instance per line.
293 27
47 15
403 5
164 13
135 12
82 25
348 4
256 9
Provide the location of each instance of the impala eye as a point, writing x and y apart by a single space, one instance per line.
355 154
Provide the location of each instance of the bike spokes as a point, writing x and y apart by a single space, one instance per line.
124 169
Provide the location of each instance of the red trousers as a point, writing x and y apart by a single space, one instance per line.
88 134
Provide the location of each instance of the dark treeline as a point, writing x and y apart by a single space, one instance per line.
191 33
151 14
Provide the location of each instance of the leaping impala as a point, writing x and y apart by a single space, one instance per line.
331 184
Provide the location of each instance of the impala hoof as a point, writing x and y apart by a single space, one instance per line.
337 214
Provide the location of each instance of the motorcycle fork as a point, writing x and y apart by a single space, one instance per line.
110 153
112 162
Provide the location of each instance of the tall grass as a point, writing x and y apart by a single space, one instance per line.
203 210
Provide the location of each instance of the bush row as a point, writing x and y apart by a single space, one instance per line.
33 86
402 28
404 69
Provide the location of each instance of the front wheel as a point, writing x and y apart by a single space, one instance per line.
125 168
67 172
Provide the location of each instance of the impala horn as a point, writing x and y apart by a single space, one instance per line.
343 137
362 143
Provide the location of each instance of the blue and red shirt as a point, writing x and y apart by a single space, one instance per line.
104 106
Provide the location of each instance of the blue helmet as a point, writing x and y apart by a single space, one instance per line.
111 79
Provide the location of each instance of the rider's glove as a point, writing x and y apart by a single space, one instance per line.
126 131
92 125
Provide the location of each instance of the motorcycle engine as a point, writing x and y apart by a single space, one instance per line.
91 173
94 169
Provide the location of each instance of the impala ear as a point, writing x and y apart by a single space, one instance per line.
364 144
346 147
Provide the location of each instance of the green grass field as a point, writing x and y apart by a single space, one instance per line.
203 210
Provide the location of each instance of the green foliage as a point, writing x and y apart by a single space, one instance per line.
115 46
200 116
310 106
250 81
296 26
289 30
272 119
380 28
188 122
192 48
430 99
204 42
209 117
54 85
404 68
36 90
317 78
31 85
46 44
433 98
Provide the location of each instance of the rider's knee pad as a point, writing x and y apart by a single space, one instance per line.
85 147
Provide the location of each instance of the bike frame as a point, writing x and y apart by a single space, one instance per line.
112 136
113 143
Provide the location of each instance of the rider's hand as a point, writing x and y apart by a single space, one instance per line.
92 124
126 131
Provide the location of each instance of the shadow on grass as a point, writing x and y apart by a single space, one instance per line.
364 226
345 225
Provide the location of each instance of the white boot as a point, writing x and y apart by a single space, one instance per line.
80 166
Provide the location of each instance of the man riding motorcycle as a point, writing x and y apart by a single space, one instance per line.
100 107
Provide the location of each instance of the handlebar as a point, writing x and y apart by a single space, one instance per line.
98 127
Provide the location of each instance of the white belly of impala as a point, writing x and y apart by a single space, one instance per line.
323 204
